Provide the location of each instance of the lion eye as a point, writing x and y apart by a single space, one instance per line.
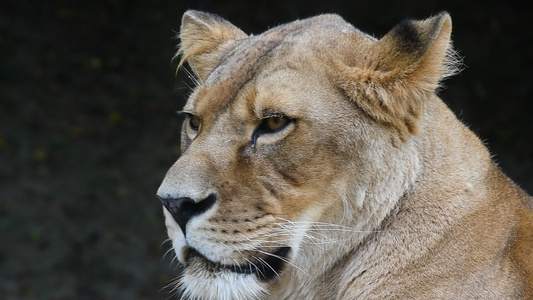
269 125
274 124
194 122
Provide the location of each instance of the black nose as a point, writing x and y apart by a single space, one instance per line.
183 209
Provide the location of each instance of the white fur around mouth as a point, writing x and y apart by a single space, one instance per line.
203 285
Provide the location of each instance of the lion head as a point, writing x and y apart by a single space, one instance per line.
295 147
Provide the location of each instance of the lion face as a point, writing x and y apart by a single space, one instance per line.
255 173
278 163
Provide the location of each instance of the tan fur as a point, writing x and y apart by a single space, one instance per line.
376 187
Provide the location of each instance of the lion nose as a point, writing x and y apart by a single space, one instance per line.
184 208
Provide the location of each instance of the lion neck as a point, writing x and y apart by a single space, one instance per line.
441 196
387 214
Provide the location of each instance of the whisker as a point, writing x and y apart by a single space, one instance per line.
191 77
164 242
255 266
173 285
167 252
267 264
175 261
247 260
282 259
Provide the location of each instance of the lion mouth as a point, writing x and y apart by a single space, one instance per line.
265 268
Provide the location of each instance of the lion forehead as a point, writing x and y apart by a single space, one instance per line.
297 45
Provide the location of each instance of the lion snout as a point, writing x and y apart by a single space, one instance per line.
184 208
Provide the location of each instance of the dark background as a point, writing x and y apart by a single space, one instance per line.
87 126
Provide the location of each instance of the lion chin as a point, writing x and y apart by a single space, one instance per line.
198 283
204 278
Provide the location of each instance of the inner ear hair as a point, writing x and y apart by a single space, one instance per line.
202 40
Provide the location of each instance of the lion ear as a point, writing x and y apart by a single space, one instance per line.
402 70
203 37
419 51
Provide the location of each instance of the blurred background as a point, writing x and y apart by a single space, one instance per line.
87 126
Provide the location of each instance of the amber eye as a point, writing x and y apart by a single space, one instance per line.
275 123
194 122
269 125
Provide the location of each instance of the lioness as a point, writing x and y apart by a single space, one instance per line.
319 163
